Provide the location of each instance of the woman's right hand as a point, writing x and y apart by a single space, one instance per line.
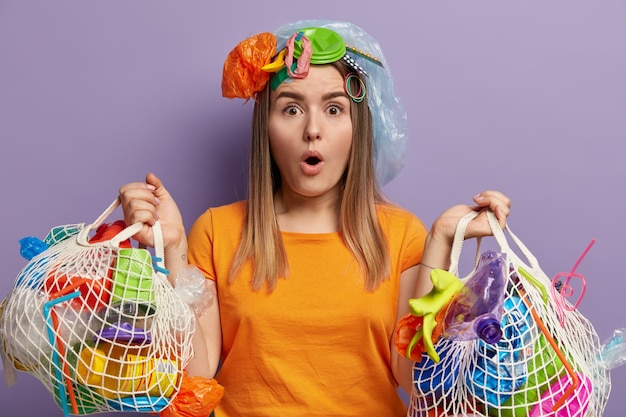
148 202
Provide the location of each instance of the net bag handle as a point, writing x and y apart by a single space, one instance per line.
83 236
501 238
457 243
498 234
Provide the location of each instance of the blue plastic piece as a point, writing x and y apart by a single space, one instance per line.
499 370
139 404
436 380
31 246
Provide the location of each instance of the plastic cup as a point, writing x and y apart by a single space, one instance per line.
575 406
115 373
132 277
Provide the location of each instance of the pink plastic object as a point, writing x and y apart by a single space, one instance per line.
575 406
567 291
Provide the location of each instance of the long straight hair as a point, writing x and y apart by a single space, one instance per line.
261 241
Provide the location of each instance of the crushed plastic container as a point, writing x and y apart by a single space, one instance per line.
475 313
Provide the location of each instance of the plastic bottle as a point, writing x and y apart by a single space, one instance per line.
499 371
476 312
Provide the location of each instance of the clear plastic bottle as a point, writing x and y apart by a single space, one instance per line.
477 310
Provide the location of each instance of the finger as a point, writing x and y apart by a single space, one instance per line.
503 200
145 235
482 199
132 187
137 191
137 210
159 189
493 199
479 226
501 216
153 180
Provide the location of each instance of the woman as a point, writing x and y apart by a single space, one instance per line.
314 269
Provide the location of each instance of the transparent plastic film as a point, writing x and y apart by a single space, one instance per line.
613 352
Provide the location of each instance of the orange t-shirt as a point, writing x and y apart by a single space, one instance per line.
319 344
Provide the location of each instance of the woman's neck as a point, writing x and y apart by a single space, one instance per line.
300 214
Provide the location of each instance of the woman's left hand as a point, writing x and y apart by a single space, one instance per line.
439 240
445 225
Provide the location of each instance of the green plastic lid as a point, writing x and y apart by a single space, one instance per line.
327 45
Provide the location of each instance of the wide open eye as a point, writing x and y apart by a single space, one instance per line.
334 110
291 110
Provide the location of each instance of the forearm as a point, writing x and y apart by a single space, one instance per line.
436 252
416 281
436 256
207 338
176 259
401 366
402 371
207 342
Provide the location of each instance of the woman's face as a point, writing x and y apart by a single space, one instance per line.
310 132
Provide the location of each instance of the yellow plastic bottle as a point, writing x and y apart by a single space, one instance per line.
116 371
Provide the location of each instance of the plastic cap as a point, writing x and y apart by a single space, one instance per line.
328 46
487 327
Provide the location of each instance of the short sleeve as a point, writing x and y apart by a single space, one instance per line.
200 245
406 235
415 239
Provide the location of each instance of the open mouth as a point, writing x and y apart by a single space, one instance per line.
312 160
312 163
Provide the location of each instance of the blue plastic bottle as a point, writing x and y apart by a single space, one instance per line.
476 312
500 370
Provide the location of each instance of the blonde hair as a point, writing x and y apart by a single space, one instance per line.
261 241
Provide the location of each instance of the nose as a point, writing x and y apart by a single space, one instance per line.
312 129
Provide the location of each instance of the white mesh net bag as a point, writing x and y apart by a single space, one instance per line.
540 357
96 320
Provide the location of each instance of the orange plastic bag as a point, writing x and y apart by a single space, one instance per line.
197 397
242 76
406 330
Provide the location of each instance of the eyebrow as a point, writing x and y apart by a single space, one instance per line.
298 96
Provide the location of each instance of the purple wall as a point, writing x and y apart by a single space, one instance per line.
525 97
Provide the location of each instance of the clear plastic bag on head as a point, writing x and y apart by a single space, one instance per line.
389 116
192 287
614 350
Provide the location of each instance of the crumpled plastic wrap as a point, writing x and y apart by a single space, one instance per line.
242 76
192 287
614 350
